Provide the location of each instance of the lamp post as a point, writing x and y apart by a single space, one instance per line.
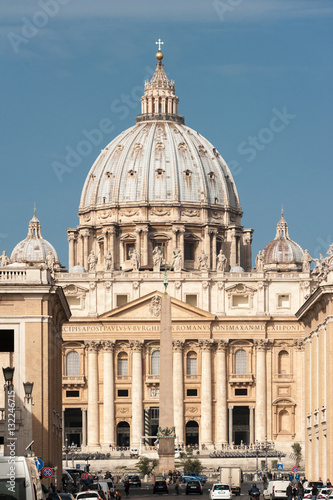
8 374
28 403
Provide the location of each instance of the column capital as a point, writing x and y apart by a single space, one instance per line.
206 344
72 236
222 345
262 344
108 345
85 233
92 345
136 345
177 345
299 344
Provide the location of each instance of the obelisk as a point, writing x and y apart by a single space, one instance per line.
166 431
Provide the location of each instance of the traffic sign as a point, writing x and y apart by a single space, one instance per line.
279 467
47 472
294 469
78 466
84 476
39 463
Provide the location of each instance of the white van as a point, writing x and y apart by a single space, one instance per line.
279 489
19 479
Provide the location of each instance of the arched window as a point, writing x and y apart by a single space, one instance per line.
191 363
73 364
122 364
155 363
284 421
240 362
283 363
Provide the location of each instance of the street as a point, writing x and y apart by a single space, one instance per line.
146 491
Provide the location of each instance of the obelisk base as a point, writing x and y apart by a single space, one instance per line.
166 454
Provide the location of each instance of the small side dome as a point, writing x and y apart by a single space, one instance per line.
34 249
282 253
237 269
78 270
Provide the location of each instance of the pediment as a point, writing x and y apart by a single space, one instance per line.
240 288
148 308
74 290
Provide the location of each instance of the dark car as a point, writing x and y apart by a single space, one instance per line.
160 486
54 496
193 486
134 481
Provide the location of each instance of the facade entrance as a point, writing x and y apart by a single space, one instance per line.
73 427
241 425
123 434
192 433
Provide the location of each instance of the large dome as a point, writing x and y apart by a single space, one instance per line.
33 249
160 160
283 252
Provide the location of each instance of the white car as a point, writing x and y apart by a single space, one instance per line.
90 494
220 490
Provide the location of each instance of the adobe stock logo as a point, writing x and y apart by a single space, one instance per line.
30 27
254 144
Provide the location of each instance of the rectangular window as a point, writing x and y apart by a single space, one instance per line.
74 302
129 247
240 301
6 340
121 300
240 392
284 301
72 394
122 366
192 300
123 393
191 366
192 392
189 251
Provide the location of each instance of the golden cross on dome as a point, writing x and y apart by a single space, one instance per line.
159 43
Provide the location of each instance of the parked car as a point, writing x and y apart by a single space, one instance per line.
199 477
91 494
279 489
160 486
190 476
134 481
193 486
54 496
66 496
220 490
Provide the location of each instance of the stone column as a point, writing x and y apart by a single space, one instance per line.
221 415
85 235
206 393
105 243
112 232
233 256
137 391
221 297
145 256
173 246
63 427
213 264
207 246
251 424
108 393
71 241
181 241
178 389
230 424
138 244
93 414
84 427
260 426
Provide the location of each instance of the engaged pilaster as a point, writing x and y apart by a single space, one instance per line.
206 392
178 389
221 415
261 420
108 393
137 407
93 414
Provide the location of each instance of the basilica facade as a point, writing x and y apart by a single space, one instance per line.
160 203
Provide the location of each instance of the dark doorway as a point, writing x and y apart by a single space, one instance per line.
154 414
123 434
73 426
241 425
192 433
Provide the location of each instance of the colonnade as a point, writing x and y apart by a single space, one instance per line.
220 412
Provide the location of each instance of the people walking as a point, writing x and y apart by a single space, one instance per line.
289 491
300 491
177 486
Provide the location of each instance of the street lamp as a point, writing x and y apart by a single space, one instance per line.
8 374
28 386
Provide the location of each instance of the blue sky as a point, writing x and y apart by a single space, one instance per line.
253 76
